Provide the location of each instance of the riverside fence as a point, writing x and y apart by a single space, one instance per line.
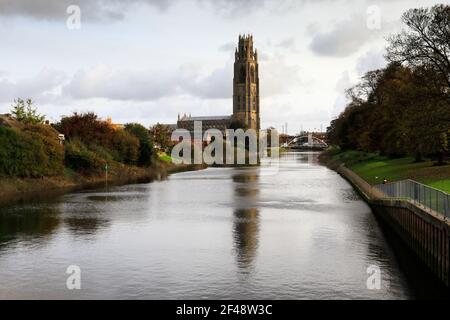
420 194
417 213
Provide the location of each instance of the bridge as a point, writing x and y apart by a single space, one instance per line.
305 141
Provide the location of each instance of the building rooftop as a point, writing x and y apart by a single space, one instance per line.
204 118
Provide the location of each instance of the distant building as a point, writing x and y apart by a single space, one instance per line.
212 122
245 93
115 126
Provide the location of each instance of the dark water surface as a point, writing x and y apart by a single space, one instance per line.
246 233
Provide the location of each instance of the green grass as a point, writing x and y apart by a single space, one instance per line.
164 157
374 168
443 185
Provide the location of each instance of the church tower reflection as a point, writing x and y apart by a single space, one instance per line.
246 216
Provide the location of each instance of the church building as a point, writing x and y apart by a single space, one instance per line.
245 94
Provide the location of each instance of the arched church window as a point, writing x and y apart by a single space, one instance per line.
252 74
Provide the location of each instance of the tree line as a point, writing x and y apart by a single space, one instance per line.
30 147
403 109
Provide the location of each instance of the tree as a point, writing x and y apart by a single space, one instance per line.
161 136
426 43
25 112
145 145
405 107
88 128
99 136
125 147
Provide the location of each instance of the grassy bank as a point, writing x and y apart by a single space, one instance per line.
24 189
374 168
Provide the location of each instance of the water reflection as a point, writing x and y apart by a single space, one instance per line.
217 233
80 226
246 220
27 222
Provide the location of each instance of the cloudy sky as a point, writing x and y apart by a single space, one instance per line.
146 60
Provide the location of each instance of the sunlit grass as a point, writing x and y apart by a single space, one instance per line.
164 157
443 185
374 168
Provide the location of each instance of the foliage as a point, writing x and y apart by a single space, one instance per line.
161 134
79 158
425 43
96 134
125 147
145 145
28 154
400 116
404 109
25 112
51 146
88 128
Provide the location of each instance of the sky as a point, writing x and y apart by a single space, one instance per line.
148 60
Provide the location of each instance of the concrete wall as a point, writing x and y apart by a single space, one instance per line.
425 233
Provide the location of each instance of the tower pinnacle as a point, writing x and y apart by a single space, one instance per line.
246 84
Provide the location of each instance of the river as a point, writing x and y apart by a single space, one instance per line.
297 231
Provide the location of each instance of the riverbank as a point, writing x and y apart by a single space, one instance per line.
422 230
23 189
374 168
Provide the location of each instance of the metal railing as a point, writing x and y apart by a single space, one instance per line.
420 194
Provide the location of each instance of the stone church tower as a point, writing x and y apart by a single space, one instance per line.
246 84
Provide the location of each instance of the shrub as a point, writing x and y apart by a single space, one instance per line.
88 128
22 155
126 147
79 158
100 136
52 147
145 145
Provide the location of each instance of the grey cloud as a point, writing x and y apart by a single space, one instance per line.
276 69
40 86
102 82
228 47
238 8
339 105
372 60
145 85
344 82
345 38
90 9
101 10
217 85
288 44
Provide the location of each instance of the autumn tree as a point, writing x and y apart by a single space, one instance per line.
426 42
99 136
405 107
161 136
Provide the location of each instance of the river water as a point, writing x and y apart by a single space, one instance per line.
296 231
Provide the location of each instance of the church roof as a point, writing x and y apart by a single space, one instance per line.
205 118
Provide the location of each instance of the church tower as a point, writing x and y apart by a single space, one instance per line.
246 84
